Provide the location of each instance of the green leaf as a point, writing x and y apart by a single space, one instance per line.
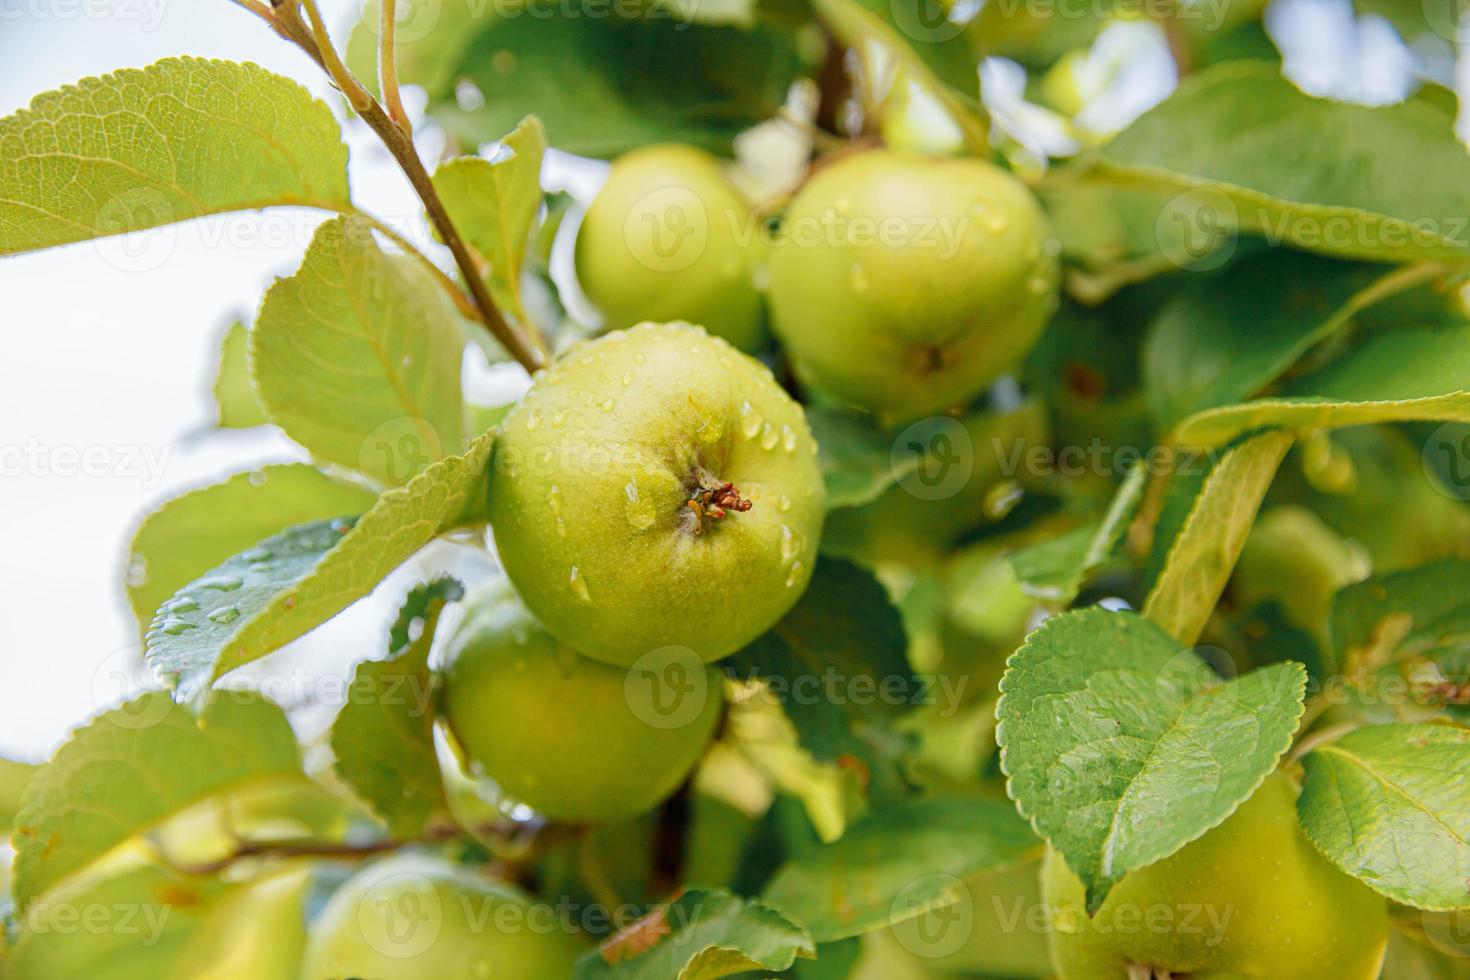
857 458
700 936
133 767
494 203
189 535
14 778
1390 805
138 921
358 357
1395 376
602 85
844 626
234 395
313 572
862 31
383 739
1420 611
142 148
1200 559
898 863
1388 182
1121 746
1055 569
1220 340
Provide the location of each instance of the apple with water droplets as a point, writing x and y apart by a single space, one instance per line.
656 487
626 751
905 284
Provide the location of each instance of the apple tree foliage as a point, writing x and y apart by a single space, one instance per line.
1209 525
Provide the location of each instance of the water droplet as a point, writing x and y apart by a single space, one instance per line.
533 419
257 478
790 546
640 358
579 584
182 604
607 406
1002 498
627 378
174 626
258 554
788 438
136 572
859 278
769 436
794 576
220 583
224 614
340 525
993 219
750 420
558 418
407 360
639 511
553 497
261 566
783 503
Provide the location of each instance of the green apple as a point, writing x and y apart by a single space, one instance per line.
669 238
612 756
905 284
1292 558
257 933
992 931
1251 898
413 917
656 488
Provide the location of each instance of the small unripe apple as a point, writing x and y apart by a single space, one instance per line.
1251 898
414 917
669 238
905 284
657 488
567 736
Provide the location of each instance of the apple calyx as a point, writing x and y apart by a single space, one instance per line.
714 503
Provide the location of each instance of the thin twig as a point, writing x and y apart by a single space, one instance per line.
314 40
1329 734
388 65
299 849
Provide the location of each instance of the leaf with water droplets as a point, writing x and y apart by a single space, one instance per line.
138 149
1121 746
357 357
701 935
191 534
1390 805
133 767
383 738
315 571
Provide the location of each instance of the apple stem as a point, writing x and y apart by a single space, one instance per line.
715 502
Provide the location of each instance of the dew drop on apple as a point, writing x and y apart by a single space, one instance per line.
579 584
558 418
639 511
627 378
790 547
794 576
769 436
788 438
750 420
533 420
783 503
607 406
